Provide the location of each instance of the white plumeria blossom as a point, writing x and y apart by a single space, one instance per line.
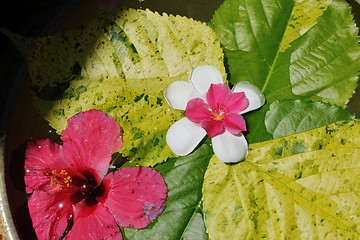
185 135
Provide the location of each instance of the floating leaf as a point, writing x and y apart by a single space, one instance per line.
303 186
287 117
182 217
290 49
121 65
304 16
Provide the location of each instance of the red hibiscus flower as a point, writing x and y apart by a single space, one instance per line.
72 194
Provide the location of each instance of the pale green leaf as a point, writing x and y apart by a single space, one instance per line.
287 117
122 64
303 186
301 49
196 228
182 217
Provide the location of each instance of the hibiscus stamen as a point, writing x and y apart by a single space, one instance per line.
60 179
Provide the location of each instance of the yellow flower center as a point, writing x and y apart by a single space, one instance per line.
60 179
217 115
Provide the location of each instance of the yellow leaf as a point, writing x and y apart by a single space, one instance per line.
304 15
304 186
122 64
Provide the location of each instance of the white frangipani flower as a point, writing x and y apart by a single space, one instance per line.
211 108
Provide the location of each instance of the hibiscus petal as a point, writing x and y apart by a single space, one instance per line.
41 156
203 76
235 123
183 136
90 140
93 223
253 94
179 93
229 148
197 110
213 127
50 212
136 196
217 96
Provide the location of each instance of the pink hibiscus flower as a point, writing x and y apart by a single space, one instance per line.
220 111
212 109
73 197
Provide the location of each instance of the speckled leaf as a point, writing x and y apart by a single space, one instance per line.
122 64
303 186
287 117
290 49
182 217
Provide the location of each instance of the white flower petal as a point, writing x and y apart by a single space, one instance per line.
203 76
178 94
255 96
183 136
229 148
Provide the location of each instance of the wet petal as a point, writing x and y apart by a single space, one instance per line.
213 127
178 94
136 196
237 102
93 223
90 140
197 110
41 156
183 136
229 148
253 94
203 76
235 123
50 212
217 96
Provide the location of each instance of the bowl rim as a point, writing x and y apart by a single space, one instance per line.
7 224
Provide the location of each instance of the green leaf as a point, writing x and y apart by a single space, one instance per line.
291 50
287 117
303 186
122 64
182 217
